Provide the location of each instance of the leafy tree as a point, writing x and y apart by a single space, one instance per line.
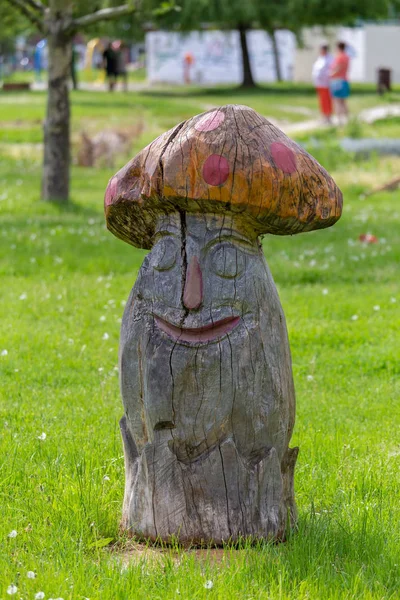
270 15
58 21
13 24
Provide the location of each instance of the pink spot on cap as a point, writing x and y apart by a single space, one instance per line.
216 170
283 157
110 191
210 121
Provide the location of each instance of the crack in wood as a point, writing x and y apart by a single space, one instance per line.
206 376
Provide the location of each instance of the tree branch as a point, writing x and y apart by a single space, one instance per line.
104 14
22 6
36 5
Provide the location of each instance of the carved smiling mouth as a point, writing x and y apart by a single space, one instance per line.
208 333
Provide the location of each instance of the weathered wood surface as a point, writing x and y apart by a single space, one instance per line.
230 159
205 365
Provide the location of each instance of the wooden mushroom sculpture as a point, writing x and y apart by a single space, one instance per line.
205 365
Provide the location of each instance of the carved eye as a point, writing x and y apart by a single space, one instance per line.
228 261
163 254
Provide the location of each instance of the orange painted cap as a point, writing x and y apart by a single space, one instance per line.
227 160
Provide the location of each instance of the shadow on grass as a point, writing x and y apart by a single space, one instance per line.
73 208
320 544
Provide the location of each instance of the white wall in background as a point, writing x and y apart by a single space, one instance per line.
382 50
217 56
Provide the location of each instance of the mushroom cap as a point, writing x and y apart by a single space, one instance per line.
227 160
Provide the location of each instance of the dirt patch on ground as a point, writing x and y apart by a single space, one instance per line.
20 124
135 552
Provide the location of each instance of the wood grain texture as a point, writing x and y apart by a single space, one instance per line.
205 366
226 160
208 391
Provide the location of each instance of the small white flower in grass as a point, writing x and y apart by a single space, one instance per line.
354 317
31 575
23 296
106 478
310 378
4 352
377 307
325 292
101 369
39 596
208 584
12 589
42 436
393 300
102 318
105 336
13 534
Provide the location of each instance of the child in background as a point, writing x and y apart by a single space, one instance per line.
339 82
320 75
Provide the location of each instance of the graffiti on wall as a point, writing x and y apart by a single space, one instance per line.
211 57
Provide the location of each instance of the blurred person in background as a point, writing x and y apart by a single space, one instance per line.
120 63
188 62
320 75
110 66
74 60
339 83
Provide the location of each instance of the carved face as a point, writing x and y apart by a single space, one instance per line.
198 278
202 341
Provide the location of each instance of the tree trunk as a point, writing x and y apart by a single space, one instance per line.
275 52
56 165
248 80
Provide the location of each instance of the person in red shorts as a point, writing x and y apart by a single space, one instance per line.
339 83
320 75
188 61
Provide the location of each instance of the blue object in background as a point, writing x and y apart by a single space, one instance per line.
39 58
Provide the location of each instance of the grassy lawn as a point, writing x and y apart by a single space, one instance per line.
64 283
21 115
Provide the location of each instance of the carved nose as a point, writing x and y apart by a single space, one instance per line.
193 292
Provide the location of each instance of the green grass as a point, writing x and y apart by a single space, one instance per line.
62 272
160 109
138 75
